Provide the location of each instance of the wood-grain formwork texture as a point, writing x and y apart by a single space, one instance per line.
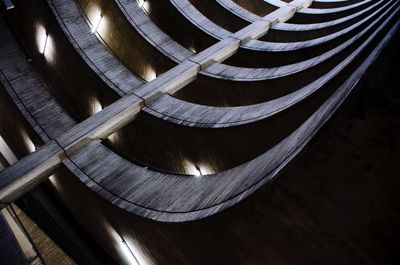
174 113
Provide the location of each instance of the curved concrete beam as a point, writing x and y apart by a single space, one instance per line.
160 196
185 113
173 198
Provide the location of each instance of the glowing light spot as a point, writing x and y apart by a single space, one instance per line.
130 248
145 5
53 180
42 39
45 43
196 169
96 22
49 54
56 184
96 106
192 49
7 152
9 4
31 145
150 74
130 258
113 138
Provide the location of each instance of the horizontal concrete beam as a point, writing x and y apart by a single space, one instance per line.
28 172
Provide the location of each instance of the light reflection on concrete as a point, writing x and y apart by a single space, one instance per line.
131 249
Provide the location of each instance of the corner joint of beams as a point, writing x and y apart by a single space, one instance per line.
169 82
253 31
281 15
68 151
28 172
216 53
101 124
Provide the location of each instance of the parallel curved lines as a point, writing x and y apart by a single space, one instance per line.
332 4
214 30
256 7
286 26
243 73
261 115
332 1
239 70
189 114
219 15
175 198
238 10
142 23
299 32
92 51
209 194
216 73
15 75
30 94
254 45
311 10
120 78
314 15
317 11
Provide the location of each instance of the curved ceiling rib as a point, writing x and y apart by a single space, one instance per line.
274 111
